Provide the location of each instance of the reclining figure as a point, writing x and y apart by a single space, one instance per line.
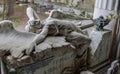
61 27
58 23
18 47
54 19
56 26
63 21
20 43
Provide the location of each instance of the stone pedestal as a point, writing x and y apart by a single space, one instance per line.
100 49
52 56
105 7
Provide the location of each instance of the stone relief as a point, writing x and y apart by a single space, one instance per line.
20 48
53 46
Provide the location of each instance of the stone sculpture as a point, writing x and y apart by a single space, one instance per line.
60 23
57 26
17 47
14 42
59 47
54 20
62 27
33 23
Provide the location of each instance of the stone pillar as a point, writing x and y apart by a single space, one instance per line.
105 7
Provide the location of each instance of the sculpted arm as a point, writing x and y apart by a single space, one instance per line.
38 38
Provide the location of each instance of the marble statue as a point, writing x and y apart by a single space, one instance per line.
60 27
54 20
19 46
14 40
63 27
58 45
34 20
54 32
62 22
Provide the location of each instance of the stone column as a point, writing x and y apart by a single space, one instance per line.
105 7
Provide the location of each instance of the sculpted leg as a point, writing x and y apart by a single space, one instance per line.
34 22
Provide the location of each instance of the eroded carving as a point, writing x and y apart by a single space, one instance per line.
34 23
54 33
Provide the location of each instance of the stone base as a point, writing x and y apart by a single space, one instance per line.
100 68
100 49
54 56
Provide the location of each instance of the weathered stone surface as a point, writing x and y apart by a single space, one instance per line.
12 41
110 26
80 41
86 72
86 24
100 48
15 63
34 21
46 48
54 54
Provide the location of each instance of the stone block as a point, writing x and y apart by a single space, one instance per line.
55 56
100 48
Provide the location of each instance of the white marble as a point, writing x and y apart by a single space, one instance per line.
110 5
100 3
105 7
